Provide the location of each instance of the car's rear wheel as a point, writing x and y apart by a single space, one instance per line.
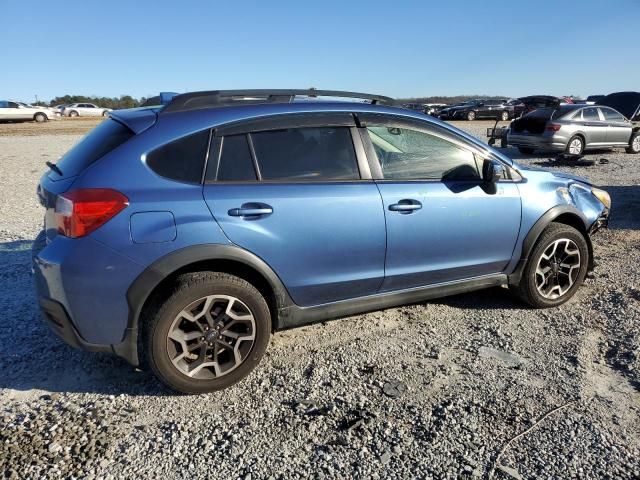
105 113
208 333
471 116
634 143
40 117
575 145
526 150
556 267
505 116
73 113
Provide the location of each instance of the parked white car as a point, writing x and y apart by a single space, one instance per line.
85 110
23 112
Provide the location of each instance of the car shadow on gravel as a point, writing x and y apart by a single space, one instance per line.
625 206
34 360
495 298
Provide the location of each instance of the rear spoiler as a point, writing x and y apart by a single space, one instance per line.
136 119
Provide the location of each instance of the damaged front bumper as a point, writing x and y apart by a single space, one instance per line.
601 222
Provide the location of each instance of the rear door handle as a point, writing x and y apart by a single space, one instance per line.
405 206
250 212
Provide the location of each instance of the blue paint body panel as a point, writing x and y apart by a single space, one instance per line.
326 242
456 234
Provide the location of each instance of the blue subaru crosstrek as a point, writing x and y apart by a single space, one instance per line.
179 236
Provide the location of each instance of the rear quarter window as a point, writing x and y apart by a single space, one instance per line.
181 160
96 144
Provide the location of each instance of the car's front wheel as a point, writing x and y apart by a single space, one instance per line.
471 116
556 267
505 116
40 117
73 113
208 333
634 143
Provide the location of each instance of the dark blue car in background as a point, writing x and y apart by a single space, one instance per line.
179 236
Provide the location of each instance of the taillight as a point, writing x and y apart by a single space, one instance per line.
553 127
80 212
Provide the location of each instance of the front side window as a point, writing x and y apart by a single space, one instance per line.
306 154
612 116
406 154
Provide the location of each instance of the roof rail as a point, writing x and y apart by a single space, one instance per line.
223 98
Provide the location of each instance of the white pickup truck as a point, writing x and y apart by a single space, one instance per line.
22 112
84 110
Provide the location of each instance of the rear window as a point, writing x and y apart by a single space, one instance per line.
306 154
96 144
181 160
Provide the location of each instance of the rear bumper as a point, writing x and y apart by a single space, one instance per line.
81 288
539 142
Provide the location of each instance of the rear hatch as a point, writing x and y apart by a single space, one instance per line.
93 146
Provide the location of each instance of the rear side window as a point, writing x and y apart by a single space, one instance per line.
97 143
306 154
181 160
236 163
590 114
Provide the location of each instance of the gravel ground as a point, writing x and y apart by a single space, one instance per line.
471 386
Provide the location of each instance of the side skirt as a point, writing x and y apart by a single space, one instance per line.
294 316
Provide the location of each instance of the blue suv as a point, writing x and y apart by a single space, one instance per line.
180 236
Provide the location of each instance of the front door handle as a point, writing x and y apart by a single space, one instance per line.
250 211
405 206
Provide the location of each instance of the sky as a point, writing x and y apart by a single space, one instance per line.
395 48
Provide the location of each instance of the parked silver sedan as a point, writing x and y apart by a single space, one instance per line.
573 129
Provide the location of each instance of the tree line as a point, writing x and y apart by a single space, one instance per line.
124 101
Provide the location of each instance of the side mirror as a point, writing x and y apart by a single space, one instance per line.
492 171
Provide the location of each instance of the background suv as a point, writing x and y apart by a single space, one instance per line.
180 236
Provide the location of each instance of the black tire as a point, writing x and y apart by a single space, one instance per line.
471 116
40 117
73 113
634 143
105 113
527 289
504 116
189 288
570 144
526 150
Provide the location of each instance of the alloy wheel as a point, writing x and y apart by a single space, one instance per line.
635 145
558 268
575 147
211 337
